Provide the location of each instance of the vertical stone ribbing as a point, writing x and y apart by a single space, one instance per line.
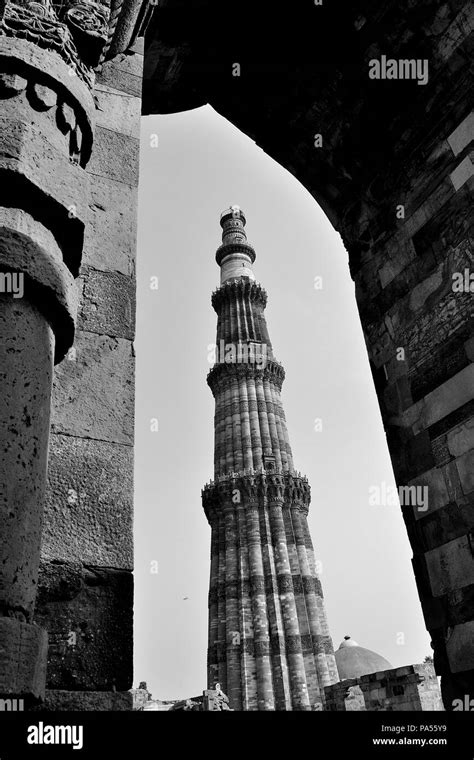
272 423
233 643
219 436
250 314
246 334
229 453
302 609
321 618
263 417
237 427
265 695
281 684
228 321
248 673
233 335
239 333
299 690
221 605
254 423
268 638
286 436
281 439
245 417
213 665
258 324
309 588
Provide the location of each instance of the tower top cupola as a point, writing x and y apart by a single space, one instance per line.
235 256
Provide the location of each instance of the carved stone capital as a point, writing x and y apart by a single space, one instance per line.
81 32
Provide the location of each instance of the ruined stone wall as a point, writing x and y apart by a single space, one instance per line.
86 587
414 687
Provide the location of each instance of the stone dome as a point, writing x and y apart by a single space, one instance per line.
354 661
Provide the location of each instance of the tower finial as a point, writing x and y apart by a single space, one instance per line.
235 256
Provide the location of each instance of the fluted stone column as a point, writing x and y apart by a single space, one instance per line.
268 637
259 611
233 636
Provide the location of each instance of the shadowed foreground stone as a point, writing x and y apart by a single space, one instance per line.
85 611
26 366
95 701
23 650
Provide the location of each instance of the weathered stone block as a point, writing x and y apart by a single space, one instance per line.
462 135
89 504
110 235
115 156
470 349
108 304
93 393
117 111
465 468
461 439
460 647
439 403
437 492
450 566
87 613
124 74
23 650
462 173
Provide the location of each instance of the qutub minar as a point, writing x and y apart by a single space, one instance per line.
269 644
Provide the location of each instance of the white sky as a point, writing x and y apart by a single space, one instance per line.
202 165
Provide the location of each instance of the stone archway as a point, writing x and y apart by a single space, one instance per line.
390 164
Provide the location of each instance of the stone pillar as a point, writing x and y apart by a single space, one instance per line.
26 359
46 142
66 213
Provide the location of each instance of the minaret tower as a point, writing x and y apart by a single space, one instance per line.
269 644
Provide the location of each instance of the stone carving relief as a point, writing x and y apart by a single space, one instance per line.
76 31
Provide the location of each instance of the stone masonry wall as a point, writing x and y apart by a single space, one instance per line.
414 687
85 598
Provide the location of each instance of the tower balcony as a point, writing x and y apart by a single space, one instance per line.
255 486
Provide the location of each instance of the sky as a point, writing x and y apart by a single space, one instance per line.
193 166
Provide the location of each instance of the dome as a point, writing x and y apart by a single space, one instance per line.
354 661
